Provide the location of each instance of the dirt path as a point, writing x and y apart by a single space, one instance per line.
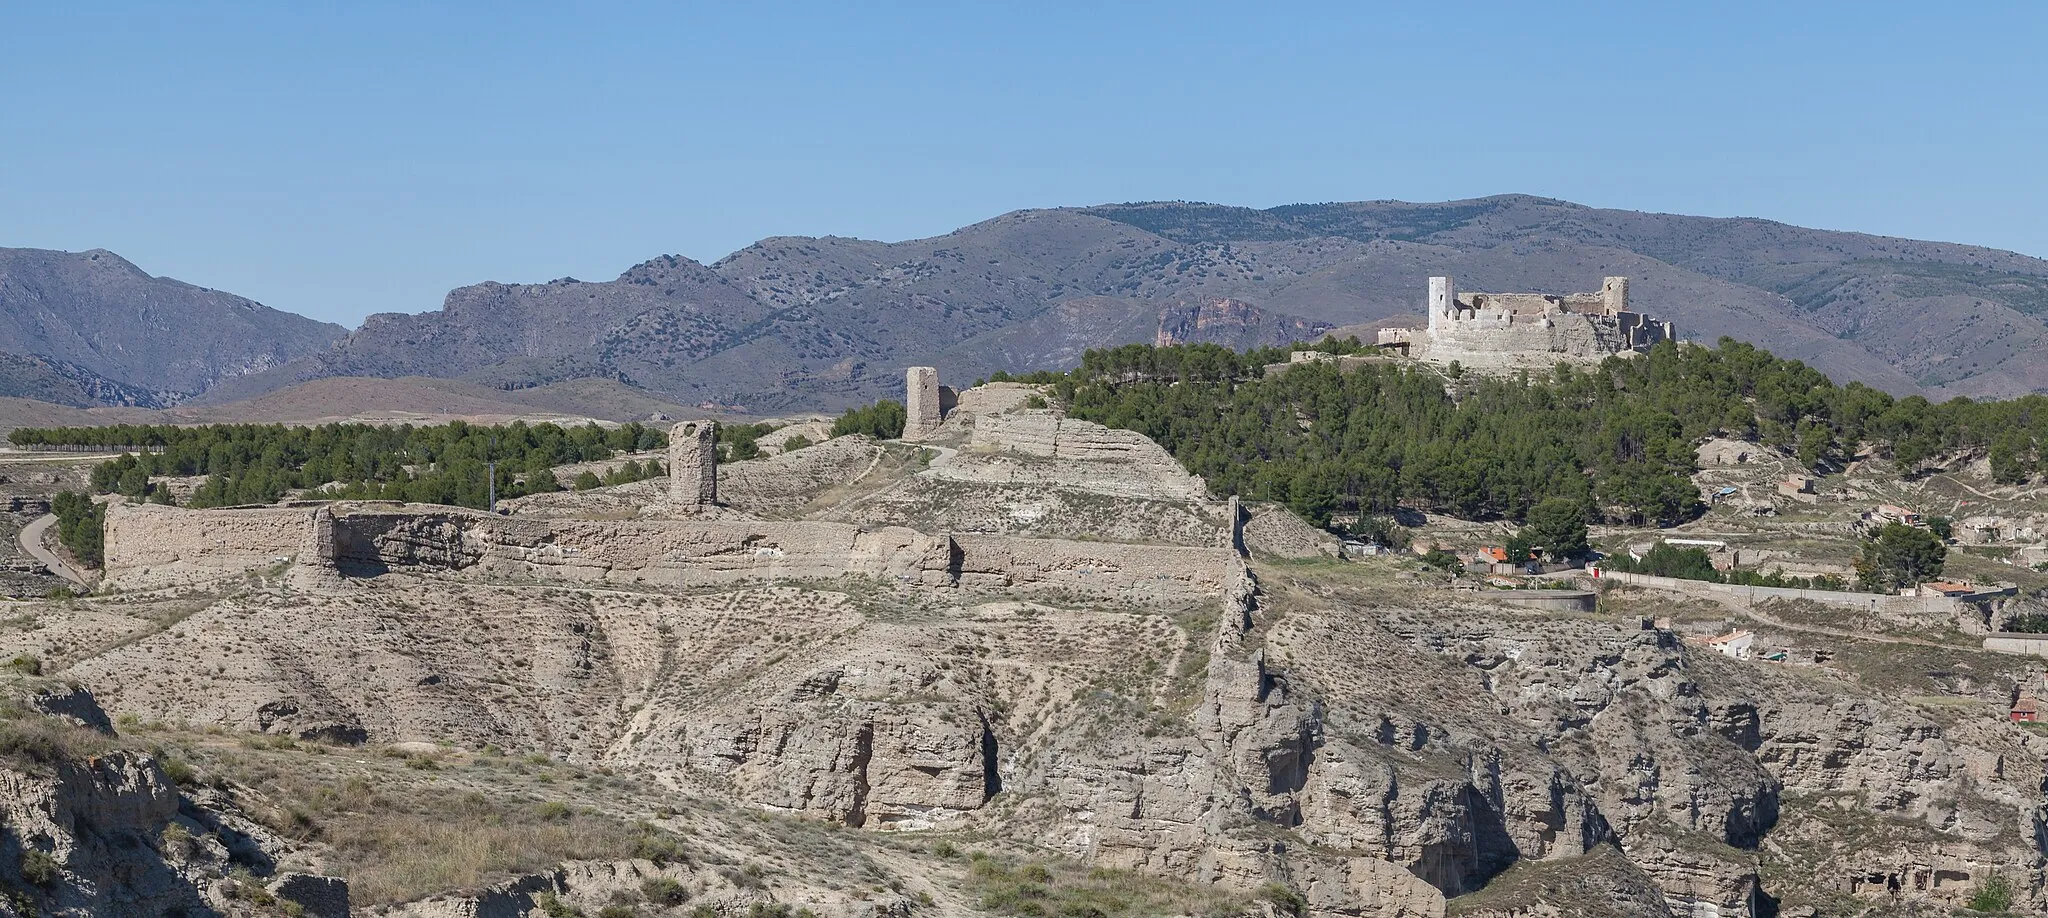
32 542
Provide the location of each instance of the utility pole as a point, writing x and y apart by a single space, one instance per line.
491 476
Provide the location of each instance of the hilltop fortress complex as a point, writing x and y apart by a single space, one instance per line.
1016 501
1527 330
1017 498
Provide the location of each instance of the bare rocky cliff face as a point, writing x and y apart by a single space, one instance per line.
90 826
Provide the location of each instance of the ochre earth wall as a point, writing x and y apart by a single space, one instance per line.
1042 432
151 546
206 543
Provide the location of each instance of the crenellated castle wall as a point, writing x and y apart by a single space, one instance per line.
1532 330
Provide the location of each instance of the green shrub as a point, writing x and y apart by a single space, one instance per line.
664 891
554 907
1994 895
176 841
180 772
1442 560
81 527
2030 623
795 443
1284 899
882 420
38 867
587 480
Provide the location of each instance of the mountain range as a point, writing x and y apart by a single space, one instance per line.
802 323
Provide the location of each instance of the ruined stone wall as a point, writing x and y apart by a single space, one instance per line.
995 397
1495 339
157 546
1043 432
1530 329
151 544
780 484
1131 573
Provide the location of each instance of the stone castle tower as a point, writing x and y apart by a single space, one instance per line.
693 465
921 402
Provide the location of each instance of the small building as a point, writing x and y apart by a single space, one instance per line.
1736 644
1494 559
2026 710
1799 488
1946 588
1892 513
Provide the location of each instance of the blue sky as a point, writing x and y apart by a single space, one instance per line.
343 159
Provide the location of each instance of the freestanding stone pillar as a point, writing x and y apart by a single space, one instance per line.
693 464
319 549
920 403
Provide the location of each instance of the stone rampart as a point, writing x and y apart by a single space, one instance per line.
1133 573
155 545
150 546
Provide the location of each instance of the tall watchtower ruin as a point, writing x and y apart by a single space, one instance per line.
921 402
693 464
1443 302
1614 294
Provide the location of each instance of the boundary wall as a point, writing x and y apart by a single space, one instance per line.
2017 643
153 546
1872 602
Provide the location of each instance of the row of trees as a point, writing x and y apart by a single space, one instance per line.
882 420
258 464
626 473
81 527
1666 560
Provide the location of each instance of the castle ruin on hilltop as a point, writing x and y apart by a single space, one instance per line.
1527 330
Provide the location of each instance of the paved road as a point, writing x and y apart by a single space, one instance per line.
32 542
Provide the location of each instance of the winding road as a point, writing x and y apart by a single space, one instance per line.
32 542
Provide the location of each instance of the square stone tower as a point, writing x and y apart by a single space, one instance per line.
1443 301
920 402
693 464
1614 294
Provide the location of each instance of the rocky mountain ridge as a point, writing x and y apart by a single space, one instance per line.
98 330
805 323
